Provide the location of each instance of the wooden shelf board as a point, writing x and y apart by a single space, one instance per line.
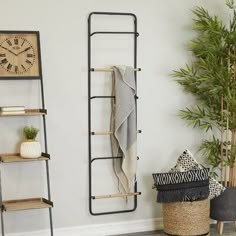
29 112
26 204
15 157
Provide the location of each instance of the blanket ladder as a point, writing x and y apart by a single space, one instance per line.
92 160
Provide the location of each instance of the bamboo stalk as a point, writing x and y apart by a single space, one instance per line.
221 140
234 176
233 144
227 127
233 171
227 140
232 157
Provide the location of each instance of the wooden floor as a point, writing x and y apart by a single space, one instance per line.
229 230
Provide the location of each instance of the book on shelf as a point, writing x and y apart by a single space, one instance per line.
12 108
12 112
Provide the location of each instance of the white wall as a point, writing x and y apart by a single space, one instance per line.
164 27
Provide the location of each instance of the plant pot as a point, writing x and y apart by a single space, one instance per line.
223 208
186 218
30 149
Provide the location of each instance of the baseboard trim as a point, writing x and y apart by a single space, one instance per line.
102 229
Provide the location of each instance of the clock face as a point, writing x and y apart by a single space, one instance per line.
19 56
16 55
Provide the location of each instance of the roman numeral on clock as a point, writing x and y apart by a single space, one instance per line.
9 42
30 55
23 67
28 62
16 69
4 61
9 66
16 41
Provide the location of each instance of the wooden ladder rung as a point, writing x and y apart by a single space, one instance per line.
107 132
116 195
102 133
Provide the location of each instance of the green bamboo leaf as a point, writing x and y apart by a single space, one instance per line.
210 77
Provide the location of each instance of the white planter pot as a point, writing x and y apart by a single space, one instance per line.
30 149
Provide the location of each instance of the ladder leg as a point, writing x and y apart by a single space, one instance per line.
2 224
1 206
51 223
220 227
49 197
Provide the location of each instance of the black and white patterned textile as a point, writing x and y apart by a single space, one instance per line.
180 177
182 186
187 162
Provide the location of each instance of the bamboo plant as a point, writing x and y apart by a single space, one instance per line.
211 78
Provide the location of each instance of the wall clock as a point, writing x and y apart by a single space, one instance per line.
20 55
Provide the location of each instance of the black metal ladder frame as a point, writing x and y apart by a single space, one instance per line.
91 160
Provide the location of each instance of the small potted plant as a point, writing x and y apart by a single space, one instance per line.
30 148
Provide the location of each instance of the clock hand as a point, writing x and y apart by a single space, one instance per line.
8 50
23 51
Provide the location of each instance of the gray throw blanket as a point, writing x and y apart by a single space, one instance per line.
123 124
190 185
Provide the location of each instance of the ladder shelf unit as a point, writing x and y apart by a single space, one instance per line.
8 158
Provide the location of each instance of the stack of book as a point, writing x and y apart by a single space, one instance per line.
12 110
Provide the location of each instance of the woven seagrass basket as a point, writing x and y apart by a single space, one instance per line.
186 218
